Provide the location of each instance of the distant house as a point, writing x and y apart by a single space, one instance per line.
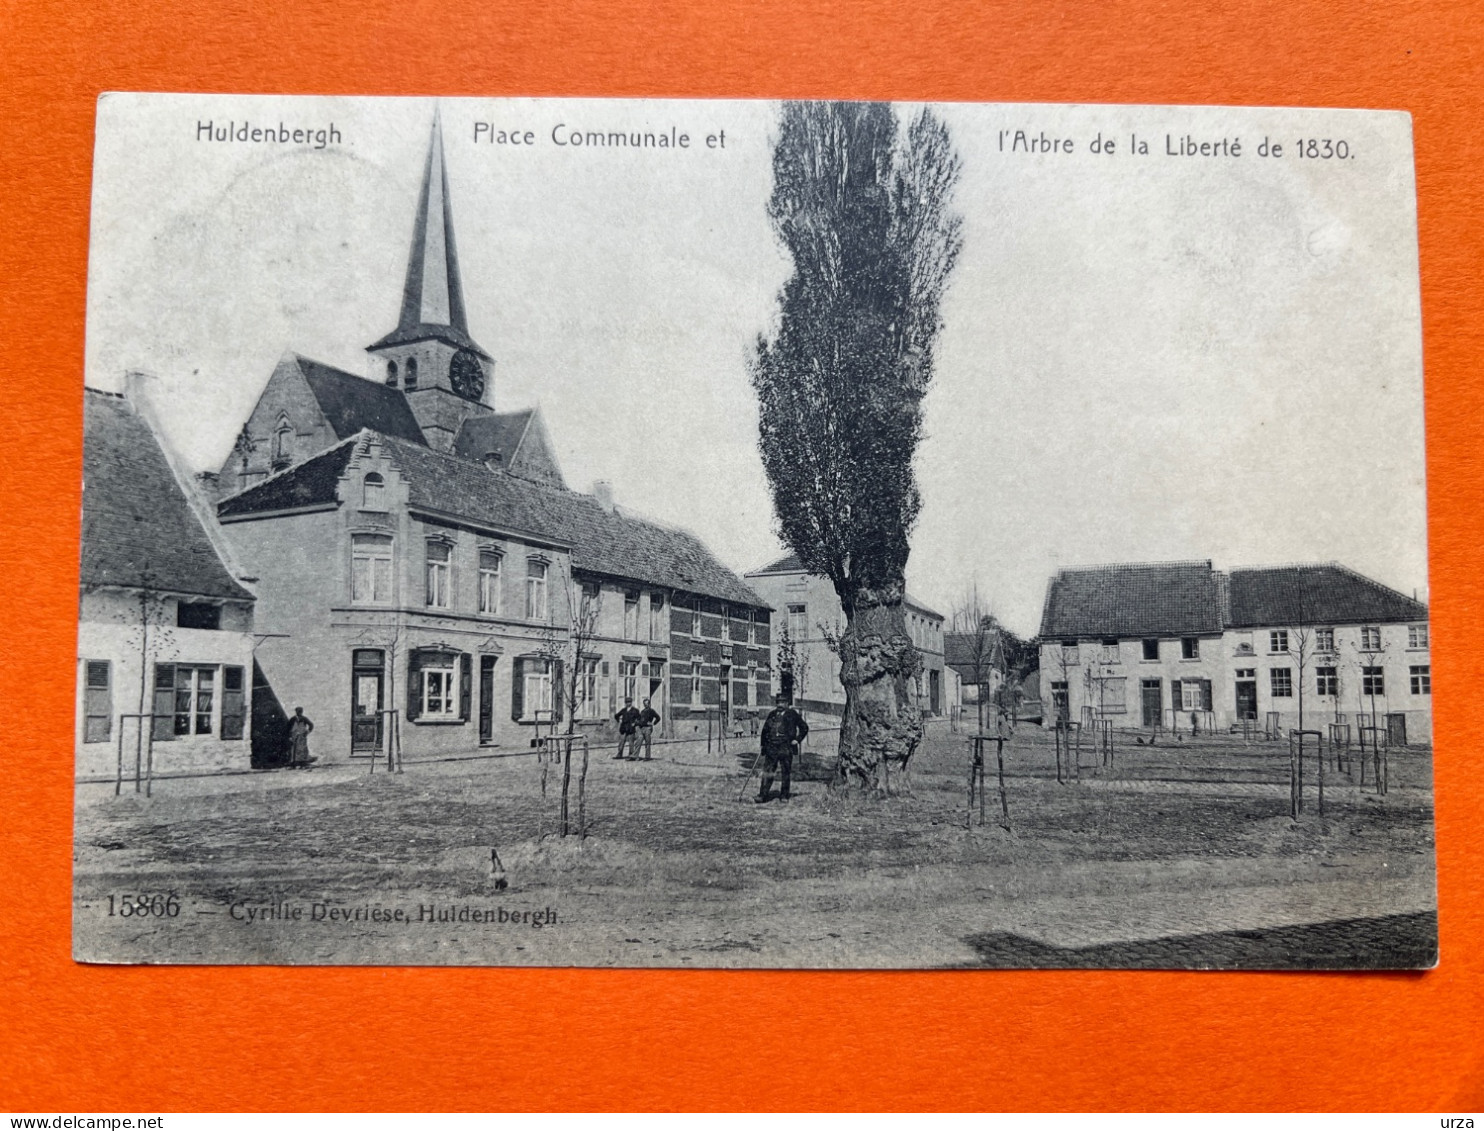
809 613
979 660
164 628
1182 644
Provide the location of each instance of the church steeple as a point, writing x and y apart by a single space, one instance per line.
430 355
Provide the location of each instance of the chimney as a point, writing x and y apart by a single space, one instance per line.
603 492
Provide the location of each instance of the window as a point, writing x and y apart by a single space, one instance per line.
489 582
283 444
1324 640
1151 649
695 683
1278 640
1327 680
534 692
184 700
1069 651
535 589
234 703
1109 651
373 492
751 630
1246 673
590 606
695 620
1282 682
656 617
391 374
197 614
1059 699
1370 640
440 554
1372 681
1190 648
97 701
631 616
440 687
371 569
628 679
1416 636
1192 696
1421 679
798 621
411 382
587 689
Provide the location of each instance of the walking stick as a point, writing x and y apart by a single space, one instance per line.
750 772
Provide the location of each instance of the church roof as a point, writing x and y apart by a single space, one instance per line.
611 543
351 403
138 528
499 432
432 295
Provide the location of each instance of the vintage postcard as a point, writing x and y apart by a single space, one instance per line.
693 534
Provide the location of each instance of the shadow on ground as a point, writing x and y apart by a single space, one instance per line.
1388 942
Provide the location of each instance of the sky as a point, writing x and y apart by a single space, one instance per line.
1145 356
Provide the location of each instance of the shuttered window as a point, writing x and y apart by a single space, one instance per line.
97 705
234 704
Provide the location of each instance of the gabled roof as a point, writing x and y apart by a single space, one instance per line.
351 403
959 652
1170 599
789 563
432 294
499 432
138 529
1315 594
604 542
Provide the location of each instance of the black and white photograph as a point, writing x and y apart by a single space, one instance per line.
833 535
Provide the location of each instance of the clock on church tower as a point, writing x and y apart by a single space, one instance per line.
466 375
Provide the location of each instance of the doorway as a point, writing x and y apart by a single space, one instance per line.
367 683
1246 699
724 693
1396 729
1152 699
487 699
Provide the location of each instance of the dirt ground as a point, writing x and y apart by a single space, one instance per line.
1181 854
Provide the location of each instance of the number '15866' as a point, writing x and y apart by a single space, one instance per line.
166 906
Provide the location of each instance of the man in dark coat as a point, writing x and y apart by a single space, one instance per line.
783 730
647 718
628 722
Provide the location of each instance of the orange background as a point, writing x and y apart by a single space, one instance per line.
96 1038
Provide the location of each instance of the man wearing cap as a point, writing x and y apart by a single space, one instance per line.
628 721
645 722
783 730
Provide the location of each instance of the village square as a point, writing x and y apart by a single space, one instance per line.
384 686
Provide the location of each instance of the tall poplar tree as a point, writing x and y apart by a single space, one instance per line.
862 207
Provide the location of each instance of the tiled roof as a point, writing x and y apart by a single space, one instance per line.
499 432
1173 599
604 542
1315 594
138 529
959 648
789 563
351 403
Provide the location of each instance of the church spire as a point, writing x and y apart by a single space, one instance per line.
432 295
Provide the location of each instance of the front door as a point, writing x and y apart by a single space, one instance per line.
1246 698
1153 702
935 691
724 693
487 699
366 686
1396 729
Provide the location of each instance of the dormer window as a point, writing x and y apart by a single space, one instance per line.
373 492
391 374
411 381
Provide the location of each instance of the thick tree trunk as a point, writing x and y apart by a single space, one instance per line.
877 666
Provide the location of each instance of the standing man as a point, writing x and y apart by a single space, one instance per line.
628 721
299 728
647 718
783 730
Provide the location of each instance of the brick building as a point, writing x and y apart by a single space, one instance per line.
1183 644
